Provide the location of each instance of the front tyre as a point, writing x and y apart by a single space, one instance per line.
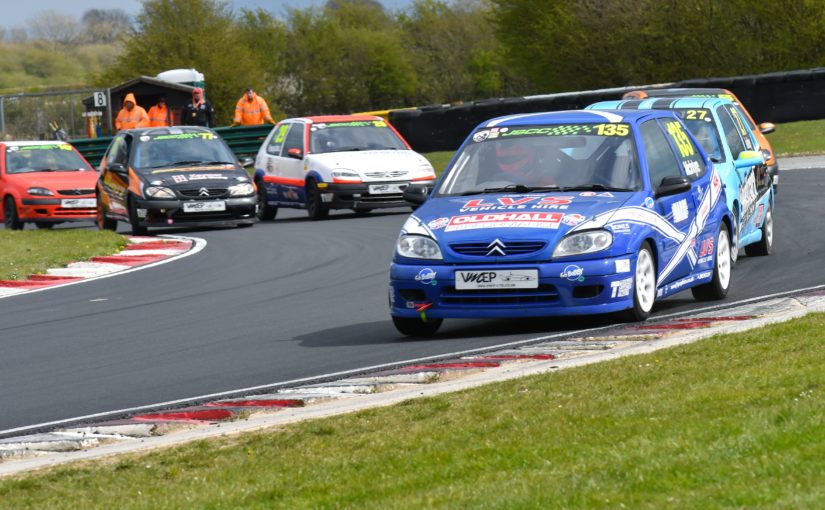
134 221
265 211
315 205
10 217
717 287
103 221
764 246
734 245
415 327
644 285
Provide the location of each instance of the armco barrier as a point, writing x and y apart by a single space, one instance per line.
775 97
243 140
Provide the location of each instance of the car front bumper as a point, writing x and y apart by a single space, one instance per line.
365 195
600 288
52 210
169 213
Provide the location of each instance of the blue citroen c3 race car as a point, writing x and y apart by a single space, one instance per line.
721 130
563 213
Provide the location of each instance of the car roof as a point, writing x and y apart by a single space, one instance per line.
22 143
172 130
660 103
333 118
685 92
571 117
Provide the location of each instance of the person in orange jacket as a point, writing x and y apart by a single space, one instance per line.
251 110
131 115
159 115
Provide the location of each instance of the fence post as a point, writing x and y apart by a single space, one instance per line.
2 115
109 110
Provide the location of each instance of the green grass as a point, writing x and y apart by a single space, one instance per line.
798 138
729 422
26 252
439 160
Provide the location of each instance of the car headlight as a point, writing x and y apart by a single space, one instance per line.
418 247
241 190
584 242
40 191
159 192
344 176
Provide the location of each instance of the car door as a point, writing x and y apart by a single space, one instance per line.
114 168
739 139
678 209
291 165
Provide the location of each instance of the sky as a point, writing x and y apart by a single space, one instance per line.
17 13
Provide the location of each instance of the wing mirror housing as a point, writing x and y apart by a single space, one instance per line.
673 185
748 158
246 162
295 152
117 168
416 194
767 127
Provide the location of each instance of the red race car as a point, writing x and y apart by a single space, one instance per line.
45 183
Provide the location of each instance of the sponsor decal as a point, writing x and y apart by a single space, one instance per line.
621 288
649 203
620 228
505 220
605 194
748 197
572 219
290 194
426 276
481 136
179 178
438 223
623 266
573 273
691 167
518 202
679 210
207 177
760 214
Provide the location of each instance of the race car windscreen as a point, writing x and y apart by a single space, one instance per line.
564 156
700 124
364 135
44 158
165 150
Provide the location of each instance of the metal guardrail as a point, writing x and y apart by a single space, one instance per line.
243 140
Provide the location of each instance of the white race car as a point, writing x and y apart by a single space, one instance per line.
357 162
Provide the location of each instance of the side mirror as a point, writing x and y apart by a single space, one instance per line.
748 158
118 168
246 162
416 194
767 127
295 152
672 185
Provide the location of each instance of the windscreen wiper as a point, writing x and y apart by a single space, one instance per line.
594 187
521 188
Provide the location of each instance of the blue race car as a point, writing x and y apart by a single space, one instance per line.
563 213
720 129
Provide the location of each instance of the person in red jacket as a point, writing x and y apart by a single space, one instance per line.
251 110
159 115
131 115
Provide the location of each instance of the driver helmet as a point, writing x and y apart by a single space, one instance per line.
515 157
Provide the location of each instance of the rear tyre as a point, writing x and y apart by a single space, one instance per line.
644 286
764 246
137 228
104 222
717 287
11 219
265 211
315 206
415 327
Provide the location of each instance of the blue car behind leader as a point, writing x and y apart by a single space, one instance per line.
563 213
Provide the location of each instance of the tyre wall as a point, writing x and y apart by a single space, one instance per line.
774 97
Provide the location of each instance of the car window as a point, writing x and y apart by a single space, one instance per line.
745 117
690 158
730 131
699 122
295 138
355 135
742 126
38 158
276 142
160 150
661 162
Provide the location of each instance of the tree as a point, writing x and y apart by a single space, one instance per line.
55 27
104 26
200 34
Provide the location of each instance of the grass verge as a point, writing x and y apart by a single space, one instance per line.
798 138
26 252
732 421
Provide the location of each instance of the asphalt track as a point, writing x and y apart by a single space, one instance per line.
287 300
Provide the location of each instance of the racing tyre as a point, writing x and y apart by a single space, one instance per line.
415 327
734 244
644 286
104 222
763 247
315 206
361 211
44 226
264 211
717 287
137 228
11 219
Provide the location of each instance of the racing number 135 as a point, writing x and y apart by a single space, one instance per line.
612 129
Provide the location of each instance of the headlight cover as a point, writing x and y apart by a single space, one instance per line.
159 192
418 247
241 190
40 191
582 243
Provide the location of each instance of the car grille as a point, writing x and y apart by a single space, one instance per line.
544 294
76 192
512 248
391 174
196 192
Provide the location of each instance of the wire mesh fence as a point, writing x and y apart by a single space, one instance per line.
51 115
